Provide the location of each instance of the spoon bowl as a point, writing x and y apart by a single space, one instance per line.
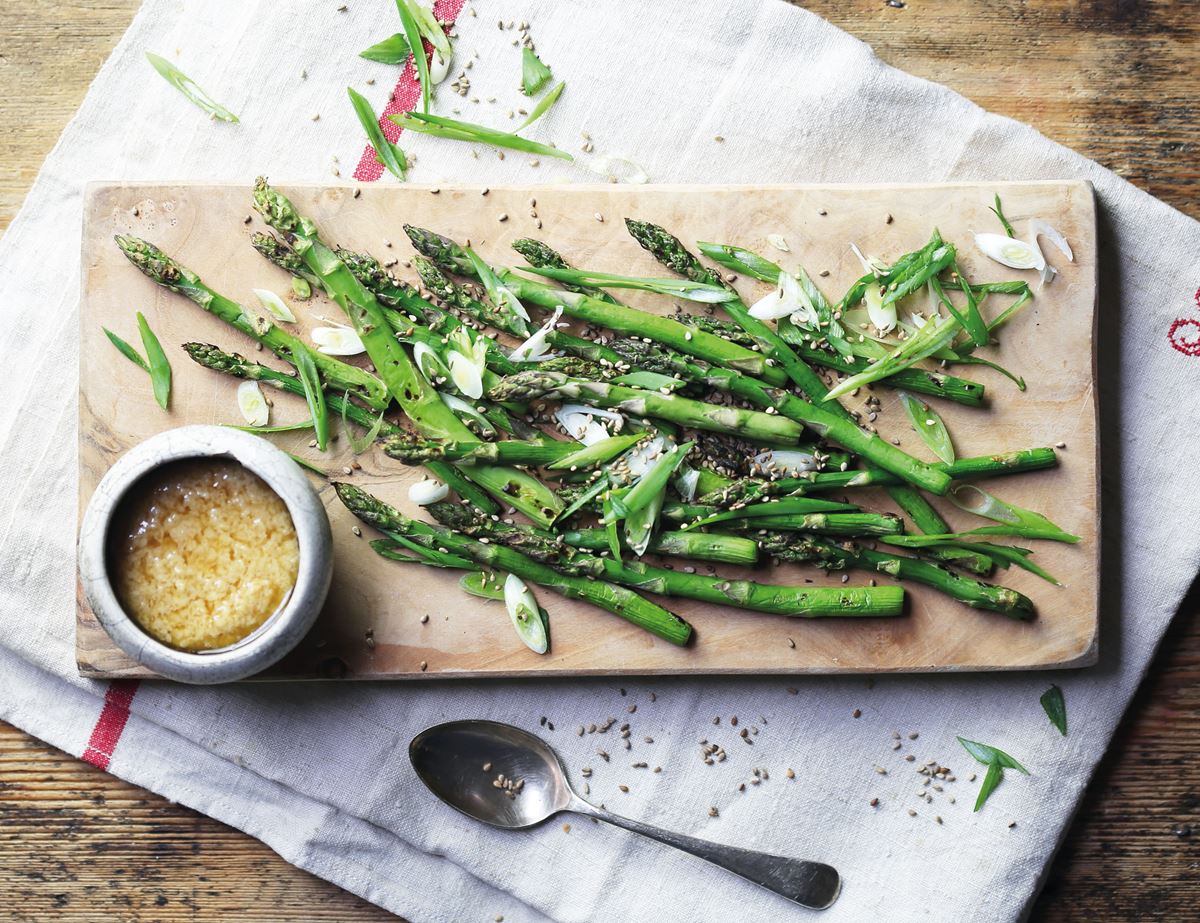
509 778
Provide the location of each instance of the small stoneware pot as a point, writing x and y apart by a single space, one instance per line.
276 636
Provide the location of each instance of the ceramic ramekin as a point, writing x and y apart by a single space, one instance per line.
276 636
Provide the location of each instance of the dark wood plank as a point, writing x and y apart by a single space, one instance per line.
1113 79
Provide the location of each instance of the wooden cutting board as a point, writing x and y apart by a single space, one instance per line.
373 625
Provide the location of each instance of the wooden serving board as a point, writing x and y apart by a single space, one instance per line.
372 625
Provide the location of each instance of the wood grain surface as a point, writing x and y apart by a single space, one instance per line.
1114 79
1050 342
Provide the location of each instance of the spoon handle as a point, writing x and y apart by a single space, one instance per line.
812 884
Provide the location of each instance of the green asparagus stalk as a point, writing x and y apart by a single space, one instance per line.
337 375
975 593
416 451
750 424
671 252
795 601
698 546
618 600
542 256
851 525
832 426
614 316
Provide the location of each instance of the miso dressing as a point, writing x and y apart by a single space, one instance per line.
201 553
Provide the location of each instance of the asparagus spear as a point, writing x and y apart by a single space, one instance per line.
828 554
407 385
618 600
671 252
233 364
750 424
699 546
543 256
832 426
796 601
413 451
612 315
338 375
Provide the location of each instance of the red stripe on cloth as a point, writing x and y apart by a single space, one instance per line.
111 723
404 98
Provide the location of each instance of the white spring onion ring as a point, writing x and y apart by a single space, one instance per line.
427 491
252 404
273 303
337 341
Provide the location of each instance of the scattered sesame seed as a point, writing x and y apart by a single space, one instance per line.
424 619
857 713
713 812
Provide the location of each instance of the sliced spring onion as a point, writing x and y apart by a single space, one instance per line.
534 73
429 27
542 107
465 374
306 464
388 153
616 169
126 350
528 618
427 491
786 301
536 347
301 288
439 68
741 261
929 426
641 524
430 363
456 130
434 557
314 394
652 483
187 86
999 213
597 453
360 445
412 34
160 368
580 423
1015 521
479 423
501 296
253 405
870 264
687 479
393 50
1010 252
1038 227
275 305
483 585
882 316
337 341
786 462
779 242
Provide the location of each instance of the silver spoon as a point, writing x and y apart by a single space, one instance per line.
509 778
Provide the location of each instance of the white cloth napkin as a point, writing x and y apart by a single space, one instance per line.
319 772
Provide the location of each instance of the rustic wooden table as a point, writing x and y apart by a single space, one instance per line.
1114 79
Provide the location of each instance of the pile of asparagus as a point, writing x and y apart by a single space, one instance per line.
674 448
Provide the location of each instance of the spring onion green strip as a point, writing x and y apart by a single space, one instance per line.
534 73
1016 521
611 520
1004 555
996 761
483 585
434 556
301 288
126 350
314 395
412 34
358 446
267 430
389 154
306 464
787 506
653 482
598 453
456 130
743 262
970 318
393 50
649 381
673 288
929 426
187 86
160 368
1055 707
999 213
921 345
928 520
542 107
1017 380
